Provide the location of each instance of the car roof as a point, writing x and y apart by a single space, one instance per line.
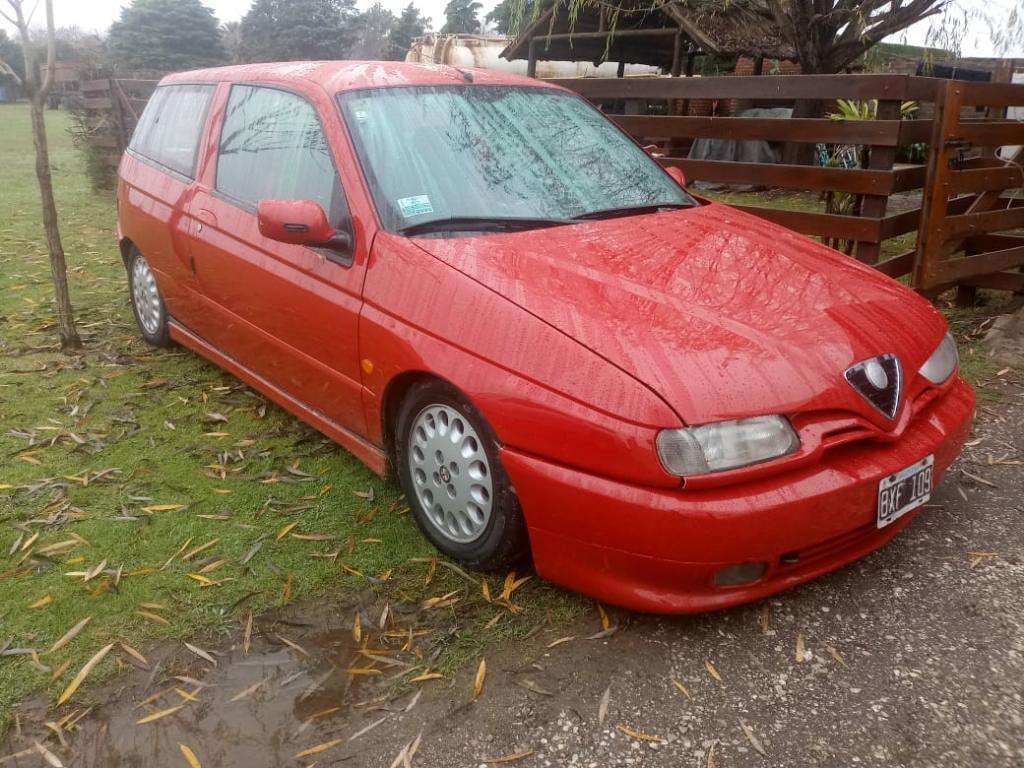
336 76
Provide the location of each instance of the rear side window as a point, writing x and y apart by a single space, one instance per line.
272 147
169 129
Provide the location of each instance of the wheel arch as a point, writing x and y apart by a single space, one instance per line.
391 402
126 246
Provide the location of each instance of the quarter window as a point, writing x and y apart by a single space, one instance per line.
168 131
272 147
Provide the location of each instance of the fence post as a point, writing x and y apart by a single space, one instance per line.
935 198
881 159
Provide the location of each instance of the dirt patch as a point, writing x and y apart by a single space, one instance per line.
913 656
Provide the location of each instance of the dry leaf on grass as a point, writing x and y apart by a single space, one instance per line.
70 635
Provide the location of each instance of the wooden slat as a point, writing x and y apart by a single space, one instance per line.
992 133
898 265
955 270
99 102
852 180
912 177
991 94
983 243
988 221
912 131
876 132
89 86
821 224
826 87
986 179
897 224
998 281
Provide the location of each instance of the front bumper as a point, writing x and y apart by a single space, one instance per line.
657 550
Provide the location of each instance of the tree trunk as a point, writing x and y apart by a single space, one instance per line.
67 332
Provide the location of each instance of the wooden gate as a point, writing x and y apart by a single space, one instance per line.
971 204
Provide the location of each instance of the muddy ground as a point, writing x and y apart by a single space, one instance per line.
914 656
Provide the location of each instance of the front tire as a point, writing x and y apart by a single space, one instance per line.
147 303
448 466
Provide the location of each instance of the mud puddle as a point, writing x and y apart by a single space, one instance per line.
299 686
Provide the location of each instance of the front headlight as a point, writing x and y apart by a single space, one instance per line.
725 445
943 362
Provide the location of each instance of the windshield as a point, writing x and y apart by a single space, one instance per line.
483 152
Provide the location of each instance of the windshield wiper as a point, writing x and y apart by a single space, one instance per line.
479 224
630 210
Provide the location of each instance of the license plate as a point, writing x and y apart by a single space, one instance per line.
904 490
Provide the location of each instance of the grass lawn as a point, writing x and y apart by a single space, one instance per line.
158 498
115 460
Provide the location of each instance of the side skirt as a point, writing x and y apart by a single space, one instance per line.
371 455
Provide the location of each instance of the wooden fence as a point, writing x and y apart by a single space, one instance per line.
964 224
110 110
962 180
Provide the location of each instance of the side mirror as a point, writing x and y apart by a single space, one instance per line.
677 174
301 222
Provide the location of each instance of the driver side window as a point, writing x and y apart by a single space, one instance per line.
272 146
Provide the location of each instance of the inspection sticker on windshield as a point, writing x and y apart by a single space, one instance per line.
416 205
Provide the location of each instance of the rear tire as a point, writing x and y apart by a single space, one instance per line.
147 303
447 461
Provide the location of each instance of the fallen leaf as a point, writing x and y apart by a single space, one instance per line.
42 602
201 653
190 757
602 707
357 630
681 687
285 531
478 681
84 673
70 635
507 758
752 738
638 735
713 672
158 715
801 653
318 748
561 640
247 635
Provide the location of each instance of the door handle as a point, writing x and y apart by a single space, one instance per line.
207 217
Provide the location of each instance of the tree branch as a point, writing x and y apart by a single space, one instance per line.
51 52
5 69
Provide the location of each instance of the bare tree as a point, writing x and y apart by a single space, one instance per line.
36 86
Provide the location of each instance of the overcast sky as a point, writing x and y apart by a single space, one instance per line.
97 15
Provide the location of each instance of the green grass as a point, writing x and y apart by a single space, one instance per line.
97 446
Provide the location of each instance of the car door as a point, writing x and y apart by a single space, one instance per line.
155 185
288 313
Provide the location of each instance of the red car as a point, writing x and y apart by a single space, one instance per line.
478 281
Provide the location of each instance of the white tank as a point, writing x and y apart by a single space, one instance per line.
484 52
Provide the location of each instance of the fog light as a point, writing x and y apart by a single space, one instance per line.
742 573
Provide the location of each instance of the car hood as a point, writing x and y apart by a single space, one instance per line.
722 314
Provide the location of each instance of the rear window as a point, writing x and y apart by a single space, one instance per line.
169 129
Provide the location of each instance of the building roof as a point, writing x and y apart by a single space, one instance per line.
710 27
336 76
